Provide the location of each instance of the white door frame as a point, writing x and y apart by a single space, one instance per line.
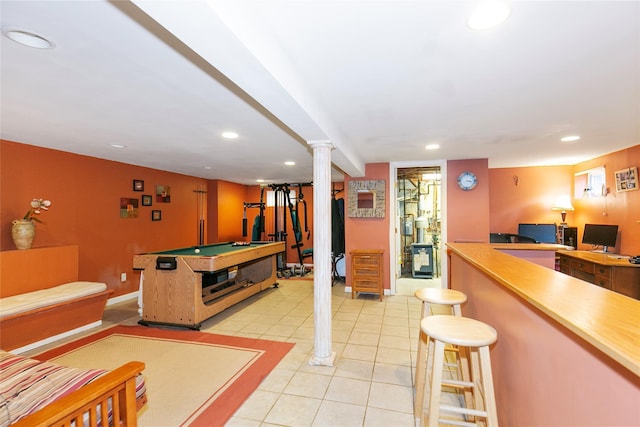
394 224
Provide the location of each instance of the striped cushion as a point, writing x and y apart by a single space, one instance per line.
27 385
45 297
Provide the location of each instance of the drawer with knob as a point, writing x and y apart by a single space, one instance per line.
366 272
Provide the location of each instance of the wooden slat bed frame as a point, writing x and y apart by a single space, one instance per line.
91 402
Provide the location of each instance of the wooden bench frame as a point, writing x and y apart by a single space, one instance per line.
28 270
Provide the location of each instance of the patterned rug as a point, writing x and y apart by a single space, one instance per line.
192 378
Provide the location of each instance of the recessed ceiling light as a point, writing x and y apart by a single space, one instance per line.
27 38
432 146
289 163
229 135
570 138
488 14
259 180
118 146
208 167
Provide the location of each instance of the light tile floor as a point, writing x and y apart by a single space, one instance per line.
371 382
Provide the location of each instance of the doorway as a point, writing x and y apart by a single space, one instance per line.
419 229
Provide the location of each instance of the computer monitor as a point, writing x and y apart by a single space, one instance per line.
600 235
542 233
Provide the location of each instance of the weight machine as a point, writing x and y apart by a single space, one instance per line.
258 223
283 205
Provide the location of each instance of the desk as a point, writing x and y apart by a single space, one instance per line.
183 288
606 270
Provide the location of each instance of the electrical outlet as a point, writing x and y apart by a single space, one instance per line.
123 277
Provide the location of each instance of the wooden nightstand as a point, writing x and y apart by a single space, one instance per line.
366 271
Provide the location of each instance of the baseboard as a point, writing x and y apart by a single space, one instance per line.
121 298
56 337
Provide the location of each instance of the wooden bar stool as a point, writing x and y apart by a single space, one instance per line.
450 300
476 337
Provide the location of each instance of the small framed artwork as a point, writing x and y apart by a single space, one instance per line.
128 207
156 215
365 199
138 185
163 194
627 179
147 200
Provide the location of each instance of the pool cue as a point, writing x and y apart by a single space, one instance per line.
244 221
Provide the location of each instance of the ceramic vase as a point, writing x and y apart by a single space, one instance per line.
23 232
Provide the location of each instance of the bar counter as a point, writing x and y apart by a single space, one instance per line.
543 254
568 352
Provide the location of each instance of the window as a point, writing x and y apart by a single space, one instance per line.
590 183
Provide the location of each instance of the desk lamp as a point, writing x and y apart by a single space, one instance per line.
563 204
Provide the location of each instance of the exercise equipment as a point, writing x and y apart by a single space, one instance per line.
337 236
258 222
283 206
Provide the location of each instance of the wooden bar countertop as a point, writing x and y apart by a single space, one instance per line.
607 320
531 246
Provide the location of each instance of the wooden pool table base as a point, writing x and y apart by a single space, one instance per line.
229 300
187 296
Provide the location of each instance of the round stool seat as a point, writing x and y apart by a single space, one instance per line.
457 330
440 296
472 339
434 301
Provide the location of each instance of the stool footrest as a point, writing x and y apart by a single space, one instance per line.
463 411
457 383
448 421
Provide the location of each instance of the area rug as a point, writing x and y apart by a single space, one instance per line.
192 378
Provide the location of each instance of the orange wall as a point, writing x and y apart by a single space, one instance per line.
226 203
526 195
369 233
85 194
468 211
617 208
39 268
537 187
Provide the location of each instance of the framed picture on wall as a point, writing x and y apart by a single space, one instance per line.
627 179
138 185
365 199
156 215
147 200
128 207
163 194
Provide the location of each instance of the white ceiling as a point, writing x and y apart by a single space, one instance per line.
379 79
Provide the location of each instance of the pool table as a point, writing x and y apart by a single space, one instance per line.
184 287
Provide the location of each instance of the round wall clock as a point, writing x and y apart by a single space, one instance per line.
467 181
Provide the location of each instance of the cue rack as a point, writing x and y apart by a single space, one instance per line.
201 202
